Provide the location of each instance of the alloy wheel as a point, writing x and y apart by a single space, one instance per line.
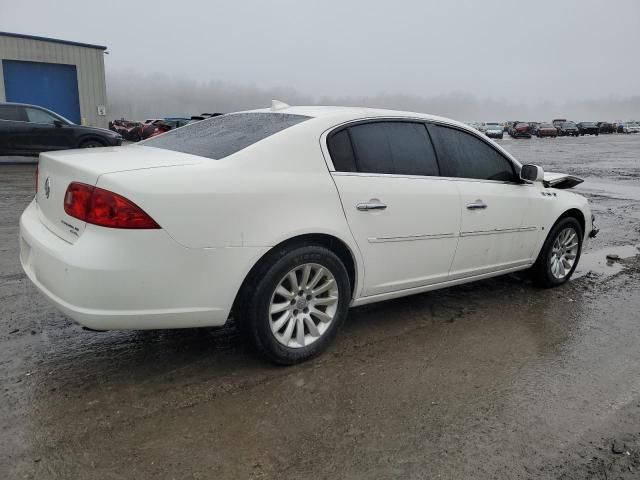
303 305
564 253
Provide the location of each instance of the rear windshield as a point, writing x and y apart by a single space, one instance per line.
224 135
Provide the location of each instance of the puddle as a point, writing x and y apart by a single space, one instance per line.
595 261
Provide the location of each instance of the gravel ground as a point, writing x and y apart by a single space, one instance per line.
492 380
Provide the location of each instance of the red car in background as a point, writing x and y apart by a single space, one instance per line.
520 130
547 130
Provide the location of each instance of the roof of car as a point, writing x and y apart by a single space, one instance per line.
343 114
17 104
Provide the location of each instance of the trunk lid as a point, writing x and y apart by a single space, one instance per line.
560 180
56 170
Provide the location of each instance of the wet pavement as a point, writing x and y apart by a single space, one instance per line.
496 379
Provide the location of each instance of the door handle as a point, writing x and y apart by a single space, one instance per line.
477 205
363 207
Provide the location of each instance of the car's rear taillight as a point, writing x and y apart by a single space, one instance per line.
101 207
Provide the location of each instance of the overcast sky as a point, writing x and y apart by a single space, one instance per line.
519 51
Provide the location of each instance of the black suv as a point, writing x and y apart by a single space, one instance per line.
29 130
588 128
566 129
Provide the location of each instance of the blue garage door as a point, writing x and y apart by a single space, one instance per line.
50 85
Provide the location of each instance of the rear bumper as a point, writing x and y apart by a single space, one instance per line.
141 279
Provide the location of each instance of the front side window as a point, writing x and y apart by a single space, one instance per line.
224 135
387 147
463 155
36 115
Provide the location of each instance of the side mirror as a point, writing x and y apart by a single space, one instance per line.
531 173
58 123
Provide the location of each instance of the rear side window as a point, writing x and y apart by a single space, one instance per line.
13 113
402 148
341 152
463 155
224 135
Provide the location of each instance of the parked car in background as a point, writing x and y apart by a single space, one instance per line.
346 239
533 127
630 127
558 121
153 127
520 130
129 129
202 116
493 130
546 130
568 129
588 128
29 129
606 127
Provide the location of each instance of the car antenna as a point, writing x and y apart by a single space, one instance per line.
278 105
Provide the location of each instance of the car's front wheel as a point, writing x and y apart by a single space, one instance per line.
560 254
294 303
91 144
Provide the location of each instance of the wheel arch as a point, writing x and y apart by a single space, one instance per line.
575 213
330 242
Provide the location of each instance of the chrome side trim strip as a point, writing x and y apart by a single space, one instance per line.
497 231
410 238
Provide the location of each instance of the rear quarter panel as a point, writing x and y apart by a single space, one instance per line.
272 191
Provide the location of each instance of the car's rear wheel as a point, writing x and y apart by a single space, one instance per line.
560 254
294 303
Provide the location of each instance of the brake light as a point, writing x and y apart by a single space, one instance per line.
101 207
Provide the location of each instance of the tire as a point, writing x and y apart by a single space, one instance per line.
275 336
543 273
91 144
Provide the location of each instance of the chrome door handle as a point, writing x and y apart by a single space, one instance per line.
477 205
363 207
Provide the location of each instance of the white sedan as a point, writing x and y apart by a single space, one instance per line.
285 217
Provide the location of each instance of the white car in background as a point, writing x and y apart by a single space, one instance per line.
285 217
631 127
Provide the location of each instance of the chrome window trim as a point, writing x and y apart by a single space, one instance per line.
327 157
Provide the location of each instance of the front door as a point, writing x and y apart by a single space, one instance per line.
45 134
494 233
404 217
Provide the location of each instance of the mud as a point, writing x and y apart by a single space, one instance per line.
491 380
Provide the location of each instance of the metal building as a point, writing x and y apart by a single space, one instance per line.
63 76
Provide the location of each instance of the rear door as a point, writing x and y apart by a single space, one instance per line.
496 232
404 217
14 129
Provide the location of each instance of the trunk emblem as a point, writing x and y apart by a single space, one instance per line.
47 187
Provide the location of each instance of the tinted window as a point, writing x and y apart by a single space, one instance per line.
465 156
39 116
12 112
224 135
394 147
341 152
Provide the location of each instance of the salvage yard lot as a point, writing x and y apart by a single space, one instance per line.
495 379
